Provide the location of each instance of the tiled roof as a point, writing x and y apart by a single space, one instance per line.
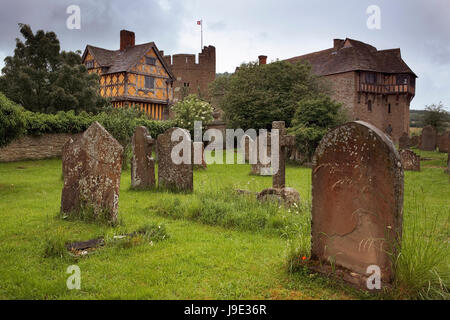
120 61
353 55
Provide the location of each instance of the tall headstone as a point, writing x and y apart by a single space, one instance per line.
357 200
410 160
428 139
92 165
285 141
199 155
173 175
142 163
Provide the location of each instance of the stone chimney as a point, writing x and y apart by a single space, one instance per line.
127 39
262 60
337 43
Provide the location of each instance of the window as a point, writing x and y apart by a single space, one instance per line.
150 61
186 84
369 105
389 108
402 79
371 77
149 82
90 64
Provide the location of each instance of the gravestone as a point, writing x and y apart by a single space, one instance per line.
261 168
142 163
428 139
92 165
444 142
410 160
285 141
279 192
403 142
172 175
199 155
414 141
357 201
249 146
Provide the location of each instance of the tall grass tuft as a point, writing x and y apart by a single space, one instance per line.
422 263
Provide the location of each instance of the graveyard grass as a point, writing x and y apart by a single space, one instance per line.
221 245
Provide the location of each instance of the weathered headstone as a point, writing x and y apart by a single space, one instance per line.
410 160
403 142
444 142
199 155
428 139
249 146
260 167
142 163
92 165
279 178
172 175
357 201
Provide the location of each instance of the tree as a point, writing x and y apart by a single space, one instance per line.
313 118
12 121
43 79
191 109
436 116
255 95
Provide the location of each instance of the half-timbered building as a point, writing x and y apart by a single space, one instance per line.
134 75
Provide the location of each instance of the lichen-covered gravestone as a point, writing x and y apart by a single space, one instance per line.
410 160
357 201
142 163
91 168
173 175
429 139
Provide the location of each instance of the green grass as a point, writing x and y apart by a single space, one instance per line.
221 245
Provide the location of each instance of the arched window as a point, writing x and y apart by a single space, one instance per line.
369 105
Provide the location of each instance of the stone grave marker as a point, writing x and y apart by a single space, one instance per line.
444 142
171 175
357 202
410 160
92 165
142 163
428 139
403 142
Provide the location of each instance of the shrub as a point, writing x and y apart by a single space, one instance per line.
12 121
192 109
312 119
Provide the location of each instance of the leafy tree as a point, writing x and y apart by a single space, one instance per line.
191 109
256 95
43 79
436 116
12 121
312 119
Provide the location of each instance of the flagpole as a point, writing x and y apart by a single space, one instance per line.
201 31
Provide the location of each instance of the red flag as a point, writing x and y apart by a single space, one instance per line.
199 22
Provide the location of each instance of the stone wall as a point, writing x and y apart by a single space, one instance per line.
35 147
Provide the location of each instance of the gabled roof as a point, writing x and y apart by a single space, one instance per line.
352 55
124 61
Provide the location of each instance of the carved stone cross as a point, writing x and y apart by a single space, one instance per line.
279 179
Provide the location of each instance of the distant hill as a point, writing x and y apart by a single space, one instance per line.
415 119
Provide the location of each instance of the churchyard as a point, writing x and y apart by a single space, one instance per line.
212 243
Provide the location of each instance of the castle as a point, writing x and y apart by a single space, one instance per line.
375 86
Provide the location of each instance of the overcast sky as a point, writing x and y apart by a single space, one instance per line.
243 29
